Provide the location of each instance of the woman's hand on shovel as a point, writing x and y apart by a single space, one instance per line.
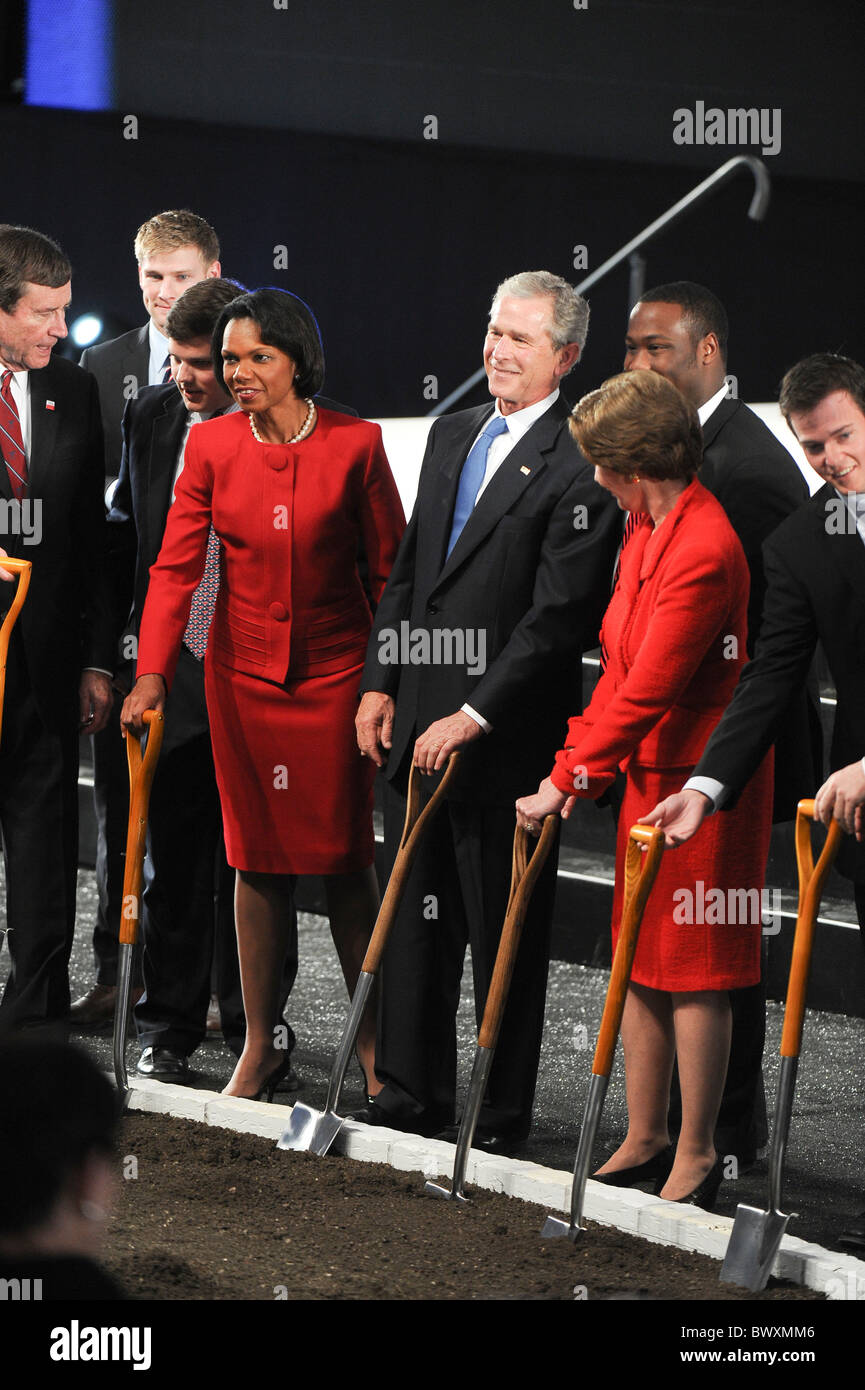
148 692
547 801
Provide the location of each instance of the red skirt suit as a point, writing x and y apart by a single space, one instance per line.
289 634
674 633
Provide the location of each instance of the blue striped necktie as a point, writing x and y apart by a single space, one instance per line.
472 476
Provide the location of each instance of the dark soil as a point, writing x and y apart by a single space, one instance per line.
218 1215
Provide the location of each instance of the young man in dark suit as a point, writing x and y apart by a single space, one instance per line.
680 331
182 925
815 571
174 250
507 556
61 654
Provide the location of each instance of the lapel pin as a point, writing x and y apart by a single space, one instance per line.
525 470
49 405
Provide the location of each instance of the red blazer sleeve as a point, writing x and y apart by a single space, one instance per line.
382 520
178 568
653 711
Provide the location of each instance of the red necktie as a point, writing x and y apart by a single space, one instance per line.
11 439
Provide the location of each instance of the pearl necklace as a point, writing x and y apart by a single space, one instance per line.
302 432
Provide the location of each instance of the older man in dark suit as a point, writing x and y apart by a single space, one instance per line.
173 250
58 675
815 570
680 330
504 572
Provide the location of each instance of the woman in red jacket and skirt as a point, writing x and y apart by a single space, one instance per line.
292 492
674 641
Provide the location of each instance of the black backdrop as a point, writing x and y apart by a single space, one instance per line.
398 245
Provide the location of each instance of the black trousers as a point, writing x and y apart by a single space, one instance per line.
187 916
39 821
456 894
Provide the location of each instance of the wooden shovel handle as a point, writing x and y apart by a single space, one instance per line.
811 881
22 568
415 824
524 875
141 770
641 870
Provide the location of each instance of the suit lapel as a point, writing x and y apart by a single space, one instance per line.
45 417
510 480
166 432
839 542
442 496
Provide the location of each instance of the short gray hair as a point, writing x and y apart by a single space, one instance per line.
570 316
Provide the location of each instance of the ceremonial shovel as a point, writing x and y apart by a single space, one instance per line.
524 874
141 770
756 1234
308 1129
22 568
640 873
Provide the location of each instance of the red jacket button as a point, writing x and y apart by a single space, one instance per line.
278 611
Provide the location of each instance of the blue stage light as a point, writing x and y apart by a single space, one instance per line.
69 54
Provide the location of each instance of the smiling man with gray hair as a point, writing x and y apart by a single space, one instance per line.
510 539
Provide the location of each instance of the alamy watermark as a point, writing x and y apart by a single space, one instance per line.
730 907
440 646
741 125
21 518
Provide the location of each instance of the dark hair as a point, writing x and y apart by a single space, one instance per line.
638 422
283 321
702 310
168 231
28 257
194 314
56 1109
816 377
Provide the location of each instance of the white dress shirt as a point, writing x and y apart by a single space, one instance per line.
158 354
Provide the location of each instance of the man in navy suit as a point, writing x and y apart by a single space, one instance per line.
61 653
510 550
173 250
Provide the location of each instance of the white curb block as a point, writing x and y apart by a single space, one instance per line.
840 1277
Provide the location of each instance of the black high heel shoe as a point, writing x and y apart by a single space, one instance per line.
655 1169
705 1193
270 1082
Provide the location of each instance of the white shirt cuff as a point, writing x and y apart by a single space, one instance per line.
715 791
101 671
478 718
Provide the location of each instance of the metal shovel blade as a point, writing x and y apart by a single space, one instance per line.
555 1226
754 1243
311 1131
435 1189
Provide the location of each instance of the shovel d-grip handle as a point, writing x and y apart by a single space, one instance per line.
141 770
416 822
22 568
811 882
524 875
642 860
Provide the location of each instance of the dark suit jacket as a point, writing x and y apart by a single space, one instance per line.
759 485
121 368
815 591
530 572
65 624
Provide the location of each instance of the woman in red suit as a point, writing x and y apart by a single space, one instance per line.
293 492
674 638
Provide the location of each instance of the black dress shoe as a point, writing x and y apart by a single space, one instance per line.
704 1195
95 1009
655 1169
853 1235
162 1061
373 1114
489 1141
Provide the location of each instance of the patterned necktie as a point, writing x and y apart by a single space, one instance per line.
472 476
204 600
12 441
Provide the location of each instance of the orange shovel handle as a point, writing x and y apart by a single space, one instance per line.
641 869
524 874
811 881
141 770
22 568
